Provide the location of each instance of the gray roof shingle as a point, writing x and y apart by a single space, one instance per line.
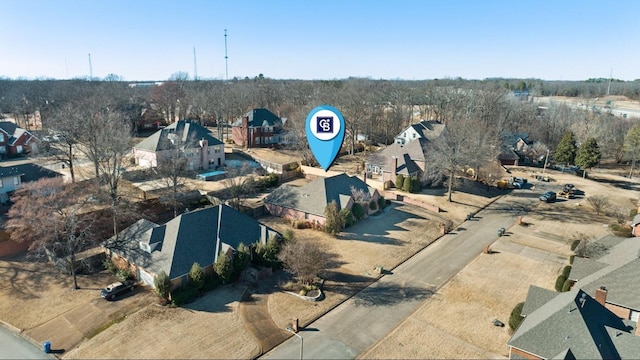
313 197
188 132
260 118
574 321
190 237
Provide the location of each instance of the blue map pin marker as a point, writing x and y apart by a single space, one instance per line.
325 133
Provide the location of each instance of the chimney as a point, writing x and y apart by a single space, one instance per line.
245 129
394 167
601 295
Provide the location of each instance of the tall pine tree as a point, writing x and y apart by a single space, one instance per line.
565 153
588 155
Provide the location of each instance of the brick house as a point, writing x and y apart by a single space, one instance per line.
258 128
196 236
15 140
308 202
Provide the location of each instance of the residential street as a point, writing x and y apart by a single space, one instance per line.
354 326
14 347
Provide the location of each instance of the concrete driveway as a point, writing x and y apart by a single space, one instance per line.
354 326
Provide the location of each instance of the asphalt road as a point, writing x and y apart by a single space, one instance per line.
360 322
12 346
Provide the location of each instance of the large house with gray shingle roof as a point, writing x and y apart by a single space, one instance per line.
308 202
574 325
202 150
406 159
610 276
196 236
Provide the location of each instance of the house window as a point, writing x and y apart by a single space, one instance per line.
414 135
16 181
1 137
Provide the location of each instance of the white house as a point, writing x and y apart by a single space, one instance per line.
425 129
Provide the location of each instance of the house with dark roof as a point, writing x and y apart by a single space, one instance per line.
258 128
606 286
202 150
407 159
573 325
196 236
308 202
16 140
425 129
13 176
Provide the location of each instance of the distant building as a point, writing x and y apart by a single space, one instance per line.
15 140
258 128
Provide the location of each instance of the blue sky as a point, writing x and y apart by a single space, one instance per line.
325 39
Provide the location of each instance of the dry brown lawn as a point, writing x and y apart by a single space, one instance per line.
209 328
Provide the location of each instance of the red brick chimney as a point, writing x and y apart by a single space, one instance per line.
601 295
245 129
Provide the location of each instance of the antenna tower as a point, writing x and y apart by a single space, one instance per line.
226 58
90 68
195 65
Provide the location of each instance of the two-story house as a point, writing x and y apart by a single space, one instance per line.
202 150
425 129
258 128
16 140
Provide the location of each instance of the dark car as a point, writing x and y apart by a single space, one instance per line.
117 288
548 196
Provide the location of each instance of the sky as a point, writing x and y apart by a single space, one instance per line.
143 40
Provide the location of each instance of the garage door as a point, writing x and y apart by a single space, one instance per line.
146 278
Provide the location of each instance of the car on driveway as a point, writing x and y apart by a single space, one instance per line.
117 288
549 196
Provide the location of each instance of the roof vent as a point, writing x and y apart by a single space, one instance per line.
583 299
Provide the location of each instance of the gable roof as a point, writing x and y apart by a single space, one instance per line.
426 129
13 131
407 155
188 132
260 118
573 321
190 237
536 297
314 196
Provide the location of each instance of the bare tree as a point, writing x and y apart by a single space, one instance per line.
53 216
239 183
448 153
65 137
600 203
305 259
173 167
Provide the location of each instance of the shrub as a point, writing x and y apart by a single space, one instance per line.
196 274
415 185
347 217
358 211
163 284
241 259
303 292
109 265
571 258
373 206
566 271
382 203
516 316
288 235
575 244
185 295
224 268
567 285
620 230
406 185
399 181
123 275
560 282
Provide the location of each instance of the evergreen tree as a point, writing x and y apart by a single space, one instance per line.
334 222
196 274
588 155
224 268
163 285
566 151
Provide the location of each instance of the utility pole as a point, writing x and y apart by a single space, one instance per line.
545 162
226 58
609 86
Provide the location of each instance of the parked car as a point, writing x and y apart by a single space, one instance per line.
519 182
549 196
117 288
